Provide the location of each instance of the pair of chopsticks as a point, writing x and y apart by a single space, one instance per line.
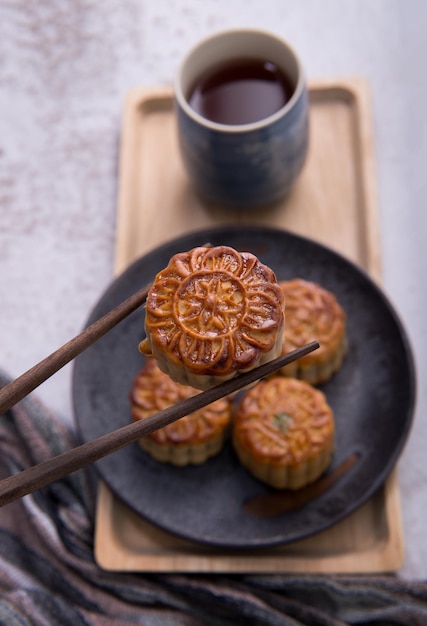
58 467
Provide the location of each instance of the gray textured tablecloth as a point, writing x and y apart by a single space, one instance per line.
48 574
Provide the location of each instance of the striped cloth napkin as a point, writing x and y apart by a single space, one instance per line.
48 574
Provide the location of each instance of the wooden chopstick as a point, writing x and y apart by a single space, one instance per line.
32 378
40 475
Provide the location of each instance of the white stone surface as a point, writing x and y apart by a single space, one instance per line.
65 68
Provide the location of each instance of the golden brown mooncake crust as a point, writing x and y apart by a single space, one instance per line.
313 313
284 432
191 439
212 313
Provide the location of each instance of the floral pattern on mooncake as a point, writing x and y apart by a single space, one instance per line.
211 313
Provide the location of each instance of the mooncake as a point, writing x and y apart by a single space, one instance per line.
211 314
283 432
313 313
190 440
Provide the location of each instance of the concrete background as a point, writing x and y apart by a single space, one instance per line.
65 68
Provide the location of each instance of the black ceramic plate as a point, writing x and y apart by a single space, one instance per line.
372 397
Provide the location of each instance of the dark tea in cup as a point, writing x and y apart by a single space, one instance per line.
241 105
242 91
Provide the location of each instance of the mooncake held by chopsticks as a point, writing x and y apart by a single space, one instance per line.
211 314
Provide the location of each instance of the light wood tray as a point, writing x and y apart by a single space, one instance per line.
333 202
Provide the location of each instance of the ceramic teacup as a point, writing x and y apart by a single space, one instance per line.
243 164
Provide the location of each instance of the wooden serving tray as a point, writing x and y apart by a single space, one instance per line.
333 202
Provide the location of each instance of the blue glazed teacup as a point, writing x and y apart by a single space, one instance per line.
243 165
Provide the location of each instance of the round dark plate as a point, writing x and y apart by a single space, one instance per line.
372 397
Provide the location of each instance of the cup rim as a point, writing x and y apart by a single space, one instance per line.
236 128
